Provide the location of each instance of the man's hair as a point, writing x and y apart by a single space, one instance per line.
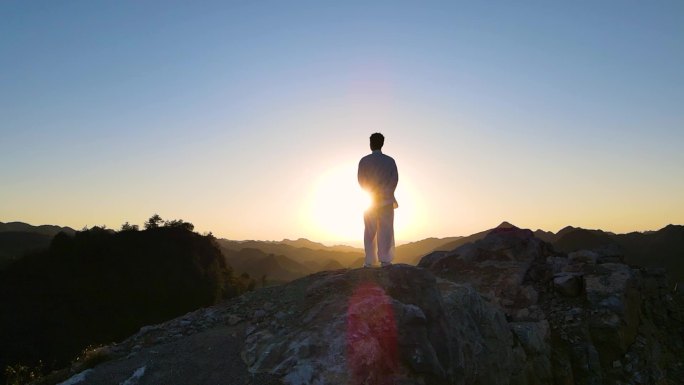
376 141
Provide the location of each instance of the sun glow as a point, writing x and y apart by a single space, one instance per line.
335 209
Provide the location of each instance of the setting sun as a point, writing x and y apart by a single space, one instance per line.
337 205
335 209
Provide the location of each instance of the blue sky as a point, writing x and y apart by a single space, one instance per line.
228 113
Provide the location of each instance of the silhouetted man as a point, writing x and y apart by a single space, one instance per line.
379 177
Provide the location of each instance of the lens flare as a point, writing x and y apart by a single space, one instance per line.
372 354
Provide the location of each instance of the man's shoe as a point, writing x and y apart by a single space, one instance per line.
367 266
385 264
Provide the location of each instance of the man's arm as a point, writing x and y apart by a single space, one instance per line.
394 176
361 175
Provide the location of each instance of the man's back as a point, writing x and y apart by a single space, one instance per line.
378 175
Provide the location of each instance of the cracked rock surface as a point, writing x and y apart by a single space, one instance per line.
506 309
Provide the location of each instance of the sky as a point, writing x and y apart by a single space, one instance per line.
248 118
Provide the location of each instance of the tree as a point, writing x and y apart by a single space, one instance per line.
180 224
129 227
154 222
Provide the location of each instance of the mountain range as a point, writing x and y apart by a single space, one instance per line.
102 284
18 238
282 261
505 309
662 248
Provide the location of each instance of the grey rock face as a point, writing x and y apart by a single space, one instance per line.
504 310
568 284
497 266
598 315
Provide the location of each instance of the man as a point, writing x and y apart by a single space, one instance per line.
379 177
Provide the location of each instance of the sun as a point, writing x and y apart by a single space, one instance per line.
337 202
337 205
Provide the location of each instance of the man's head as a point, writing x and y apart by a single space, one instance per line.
376 141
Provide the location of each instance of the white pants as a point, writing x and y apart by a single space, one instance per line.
378 238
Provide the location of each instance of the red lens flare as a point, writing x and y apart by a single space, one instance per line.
372 354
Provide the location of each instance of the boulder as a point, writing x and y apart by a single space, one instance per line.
498 266
583 256
568 284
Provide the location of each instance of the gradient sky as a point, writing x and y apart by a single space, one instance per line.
248 118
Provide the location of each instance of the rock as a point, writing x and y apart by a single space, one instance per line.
583 256
497 266
506 309
557 263
568 284
609 253
233 319
259 314
534 338
357 338
522 314
482 335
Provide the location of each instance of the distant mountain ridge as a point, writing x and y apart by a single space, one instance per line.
19 238
411 252
294 259
269 267
278 262
50 230
460 241
305 243
300 257
661 248
657 248
296 253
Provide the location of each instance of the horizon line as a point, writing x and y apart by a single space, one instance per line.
349 243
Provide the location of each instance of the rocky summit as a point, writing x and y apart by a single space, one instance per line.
506 309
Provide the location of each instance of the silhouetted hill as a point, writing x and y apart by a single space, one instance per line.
302 255
256 263
577 239
318 257
662 248
19 238
411 252
98 287
14 244
50 230
357 263
305 243
546 236
470 238
332 265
